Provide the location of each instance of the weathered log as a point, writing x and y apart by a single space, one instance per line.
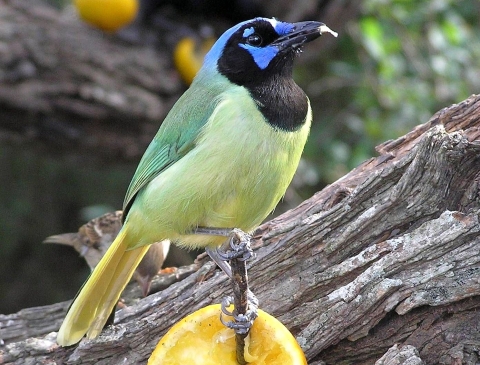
388 254
38 321
400 355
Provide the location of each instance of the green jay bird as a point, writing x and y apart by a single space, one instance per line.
222 158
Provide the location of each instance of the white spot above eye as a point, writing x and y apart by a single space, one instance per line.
273 22
248 31
281 28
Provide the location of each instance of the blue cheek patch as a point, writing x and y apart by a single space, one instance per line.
261 56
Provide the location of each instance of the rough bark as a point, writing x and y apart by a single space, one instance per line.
381 266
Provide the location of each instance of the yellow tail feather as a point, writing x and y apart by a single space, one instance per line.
100 293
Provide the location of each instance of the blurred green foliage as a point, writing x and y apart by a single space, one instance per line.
397 64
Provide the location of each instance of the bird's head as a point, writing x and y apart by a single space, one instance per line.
258 49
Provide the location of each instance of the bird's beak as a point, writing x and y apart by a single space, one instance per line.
301 33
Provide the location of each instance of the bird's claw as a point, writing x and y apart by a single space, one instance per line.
239 247
226 302
241 323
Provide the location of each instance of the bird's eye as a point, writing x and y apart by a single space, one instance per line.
254 40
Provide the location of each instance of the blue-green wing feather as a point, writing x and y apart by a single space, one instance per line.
154 161
176 136
160 154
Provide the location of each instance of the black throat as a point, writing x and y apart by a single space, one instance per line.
281 101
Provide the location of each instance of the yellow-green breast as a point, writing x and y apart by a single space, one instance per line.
234 177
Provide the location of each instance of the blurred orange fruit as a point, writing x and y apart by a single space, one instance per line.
188 56
108 15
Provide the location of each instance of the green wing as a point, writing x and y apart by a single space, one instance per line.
176 136
157 157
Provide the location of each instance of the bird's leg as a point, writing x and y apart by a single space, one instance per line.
215 253
236 250
213 231
216 256
245 308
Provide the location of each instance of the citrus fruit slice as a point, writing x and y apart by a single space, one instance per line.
202 339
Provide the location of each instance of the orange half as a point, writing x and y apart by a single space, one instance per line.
202 339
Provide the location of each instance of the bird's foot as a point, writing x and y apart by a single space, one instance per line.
236 247
237 250
242 323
